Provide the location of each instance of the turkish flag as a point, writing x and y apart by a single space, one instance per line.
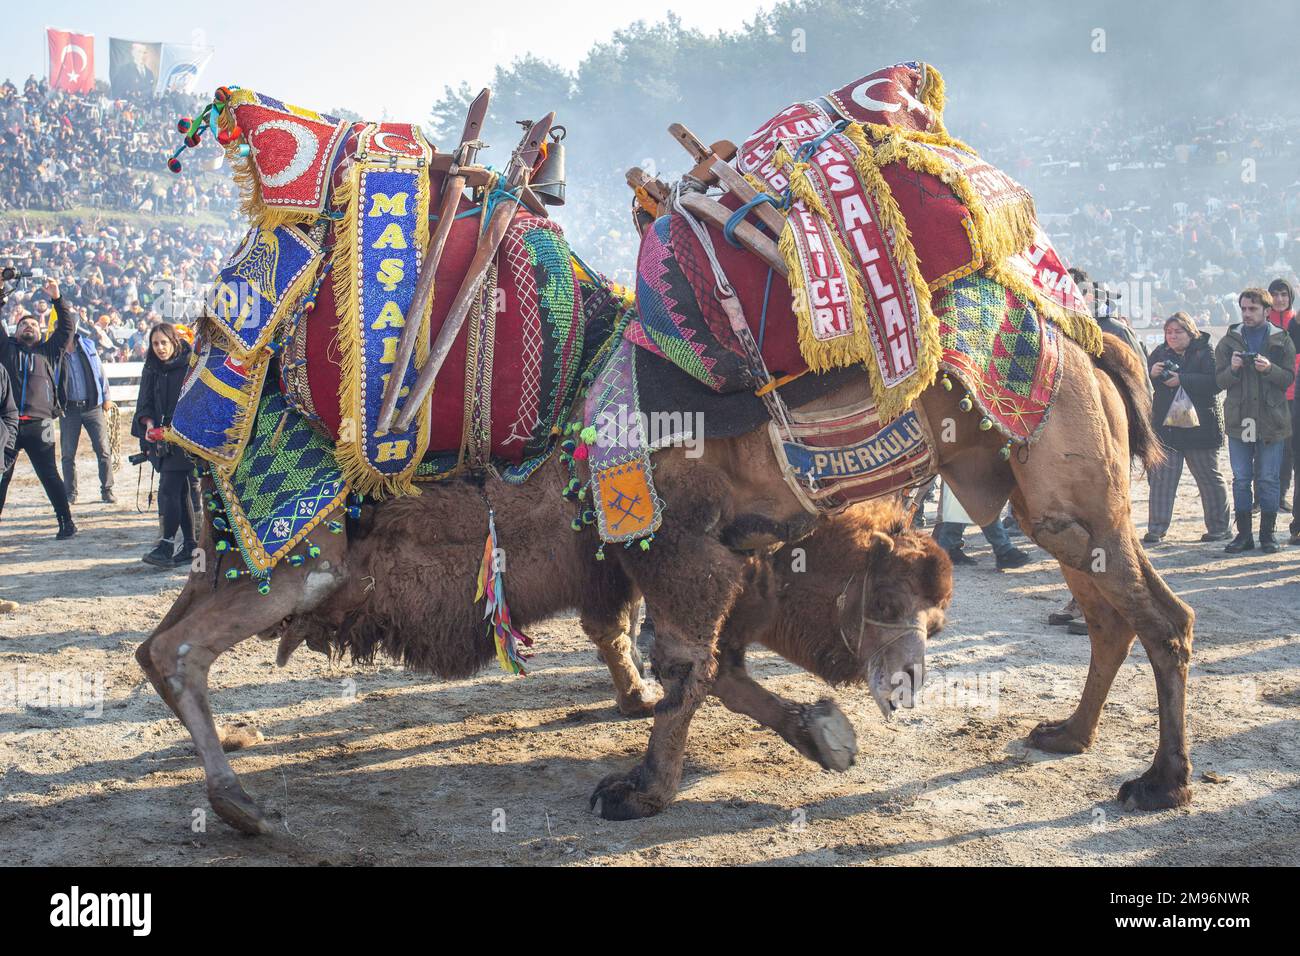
72 61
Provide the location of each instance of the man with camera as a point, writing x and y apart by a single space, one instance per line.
33 368
1254 364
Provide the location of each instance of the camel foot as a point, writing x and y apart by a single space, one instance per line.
1148 792
640 703
238 809
833 742
238 736
1056 738
619 797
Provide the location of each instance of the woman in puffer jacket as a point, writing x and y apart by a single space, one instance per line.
165 368
1189 351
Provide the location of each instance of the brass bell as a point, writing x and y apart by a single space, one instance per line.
548 180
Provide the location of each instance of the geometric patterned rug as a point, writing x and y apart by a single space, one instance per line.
1006 355
286 483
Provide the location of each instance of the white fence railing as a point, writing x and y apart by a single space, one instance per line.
123 381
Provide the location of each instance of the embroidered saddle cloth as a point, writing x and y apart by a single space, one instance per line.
884 210
341 215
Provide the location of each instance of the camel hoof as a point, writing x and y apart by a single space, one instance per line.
834 742
617 797
240 810
1146 794
1056 738
640 703
239 736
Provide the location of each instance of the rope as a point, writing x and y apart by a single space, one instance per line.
719 277
729 229
810 147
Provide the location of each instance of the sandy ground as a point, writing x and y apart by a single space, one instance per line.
372 765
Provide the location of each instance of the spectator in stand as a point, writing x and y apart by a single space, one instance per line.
1281 316
1186 361
1255 364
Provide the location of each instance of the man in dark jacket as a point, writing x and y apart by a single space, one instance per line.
1185 361
33 373
87 407
1255 363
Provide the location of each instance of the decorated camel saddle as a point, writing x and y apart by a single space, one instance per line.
848 230
369 276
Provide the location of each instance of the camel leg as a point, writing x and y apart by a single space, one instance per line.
177 660
1112 637
819 731
690 584
1088 529
616 648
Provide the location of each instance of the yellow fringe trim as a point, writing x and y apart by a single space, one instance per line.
351 455
932 94
1000 232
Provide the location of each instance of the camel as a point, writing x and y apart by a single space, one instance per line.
1070 492
401 579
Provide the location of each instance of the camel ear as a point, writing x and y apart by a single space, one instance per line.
879 539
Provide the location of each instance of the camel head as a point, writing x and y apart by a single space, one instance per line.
855 602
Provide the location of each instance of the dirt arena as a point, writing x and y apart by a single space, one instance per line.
373 765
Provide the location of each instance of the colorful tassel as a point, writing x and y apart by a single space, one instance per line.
491 586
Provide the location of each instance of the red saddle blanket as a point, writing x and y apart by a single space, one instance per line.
526 368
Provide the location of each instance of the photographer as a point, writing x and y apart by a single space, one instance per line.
160 387
33 374
1186 361
1255 363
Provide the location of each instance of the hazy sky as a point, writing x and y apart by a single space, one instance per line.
331 54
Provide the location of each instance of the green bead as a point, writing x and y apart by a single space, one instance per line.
576 524
313 551
296 560
1005 451
600 553
985 424
223 545
588 435
645 544
965 404
264 587
232 574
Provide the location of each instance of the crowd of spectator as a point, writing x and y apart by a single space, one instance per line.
63 150
123 278
1181 214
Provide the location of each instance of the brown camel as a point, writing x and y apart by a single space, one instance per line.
1069 491
401 582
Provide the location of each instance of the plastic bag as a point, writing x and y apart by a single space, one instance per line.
1182 413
